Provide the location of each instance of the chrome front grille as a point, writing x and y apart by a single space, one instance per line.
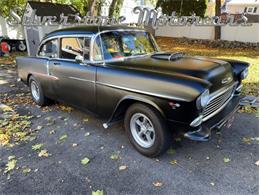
217 102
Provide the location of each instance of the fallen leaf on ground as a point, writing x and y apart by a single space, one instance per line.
226 160
11 157
43 153
10 165
85 161
74 145
98 192
122 168
65 108
26 170
246 140
37 146
85 120
157 184
87 134
51 132
173 162
114 156
39 127
212 183
4 139
63 137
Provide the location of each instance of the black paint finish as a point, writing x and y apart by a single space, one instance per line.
108 88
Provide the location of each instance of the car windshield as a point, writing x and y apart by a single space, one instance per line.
123 44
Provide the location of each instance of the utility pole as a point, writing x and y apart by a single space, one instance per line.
218 13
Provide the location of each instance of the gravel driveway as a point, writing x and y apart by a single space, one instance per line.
224 165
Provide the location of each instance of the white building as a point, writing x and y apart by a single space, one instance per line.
13 32
127 9
240 6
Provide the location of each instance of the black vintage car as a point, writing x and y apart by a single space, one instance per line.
119 73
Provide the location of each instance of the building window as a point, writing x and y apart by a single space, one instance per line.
250 10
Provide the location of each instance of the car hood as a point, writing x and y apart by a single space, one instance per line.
208 69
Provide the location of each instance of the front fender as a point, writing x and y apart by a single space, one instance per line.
124 103
238 66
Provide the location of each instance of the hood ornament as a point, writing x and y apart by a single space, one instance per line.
226 80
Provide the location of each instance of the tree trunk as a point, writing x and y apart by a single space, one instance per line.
91 7
118 8
112 7
218 13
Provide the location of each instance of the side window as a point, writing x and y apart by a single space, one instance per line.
97 54
75 46
49 49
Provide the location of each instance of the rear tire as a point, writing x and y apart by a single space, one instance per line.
21 46
147 130
37 92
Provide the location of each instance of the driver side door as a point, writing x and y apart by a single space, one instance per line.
75 82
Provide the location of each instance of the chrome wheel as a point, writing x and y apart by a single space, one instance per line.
21 46
142 130
35 91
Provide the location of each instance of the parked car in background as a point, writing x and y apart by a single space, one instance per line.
18 45
120 74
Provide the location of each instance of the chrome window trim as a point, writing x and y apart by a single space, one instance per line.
93 36
41 44
116 30
58 37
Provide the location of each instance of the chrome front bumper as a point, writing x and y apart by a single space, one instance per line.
220 119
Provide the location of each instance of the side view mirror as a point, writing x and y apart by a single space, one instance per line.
79 59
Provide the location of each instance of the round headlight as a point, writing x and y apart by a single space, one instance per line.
244 74
203 99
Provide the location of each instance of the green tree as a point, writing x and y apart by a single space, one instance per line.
183 7
7 5
85 6
115 8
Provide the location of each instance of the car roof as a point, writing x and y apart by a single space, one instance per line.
88 30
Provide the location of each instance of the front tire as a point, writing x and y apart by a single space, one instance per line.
37 92
147 130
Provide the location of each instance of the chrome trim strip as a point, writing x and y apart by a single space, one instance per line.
140 91
218 110
216 94
79 79
239 88
45 75
221 91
